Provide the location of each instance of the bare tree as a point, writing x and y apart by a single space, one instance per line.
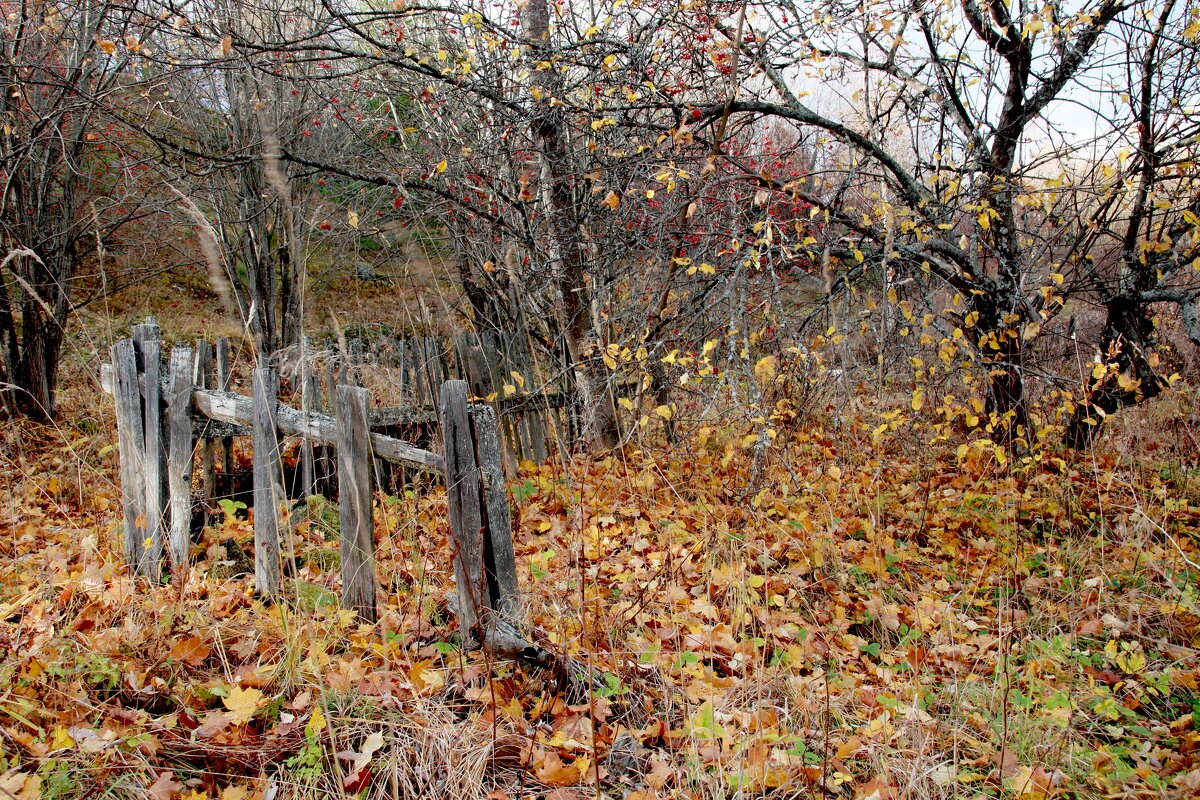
69 181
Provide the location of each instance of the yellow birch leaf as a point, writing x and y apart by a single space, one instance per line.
765 369
62 739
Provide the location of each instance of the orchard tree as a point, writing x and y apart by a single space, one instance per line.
70 180
1142 229
229 108
950 137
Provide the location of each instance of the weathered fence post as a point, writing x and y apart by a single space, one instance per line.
131 447
268 485
354 486
484 564
224 384
202 380
499 557
179 453
308 466
149 341
465 507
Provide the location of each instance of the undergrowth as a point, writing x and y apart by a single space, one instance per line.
848 615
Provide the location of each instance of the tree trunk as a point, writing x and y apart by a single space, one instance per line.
1128 335
562 215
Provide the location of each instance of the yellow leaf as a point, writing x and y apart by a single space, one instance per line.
62 739
424 678
441 167
518 379
663 411
242 704
625 403
985 221
107 46
509 390
918 400
765 369
612 200
316 723
352 218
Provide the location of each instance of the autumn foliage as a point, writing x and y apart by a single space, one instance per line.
848 612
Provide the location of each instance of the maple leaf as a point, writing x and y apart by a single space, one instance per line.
164 787
191 651
242 704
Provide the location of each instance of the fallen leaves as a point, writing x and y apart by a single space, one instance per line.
243 704
191 651
801 632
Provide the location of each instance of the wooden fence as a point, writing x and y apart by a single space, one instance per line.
534 397
163 414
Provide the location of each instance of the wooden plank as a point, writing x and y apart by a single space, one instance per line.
224 384
212 429
308 464
237 409
330 383
416 371
534 422
465 509
437 355
149 341
459 346
477 375
131 448
179 454
203 379
354 483
500 558
268 484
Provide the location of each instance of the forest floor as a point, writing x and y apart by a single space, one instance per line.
858 614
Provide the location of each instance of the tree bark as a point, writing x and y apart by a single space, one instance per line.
562 216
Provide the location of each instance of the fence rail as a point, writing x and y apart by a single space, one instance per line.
166 418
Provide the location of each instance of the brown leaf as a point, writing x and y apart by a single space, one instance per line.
191 651
165 787
552 771
1006 760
